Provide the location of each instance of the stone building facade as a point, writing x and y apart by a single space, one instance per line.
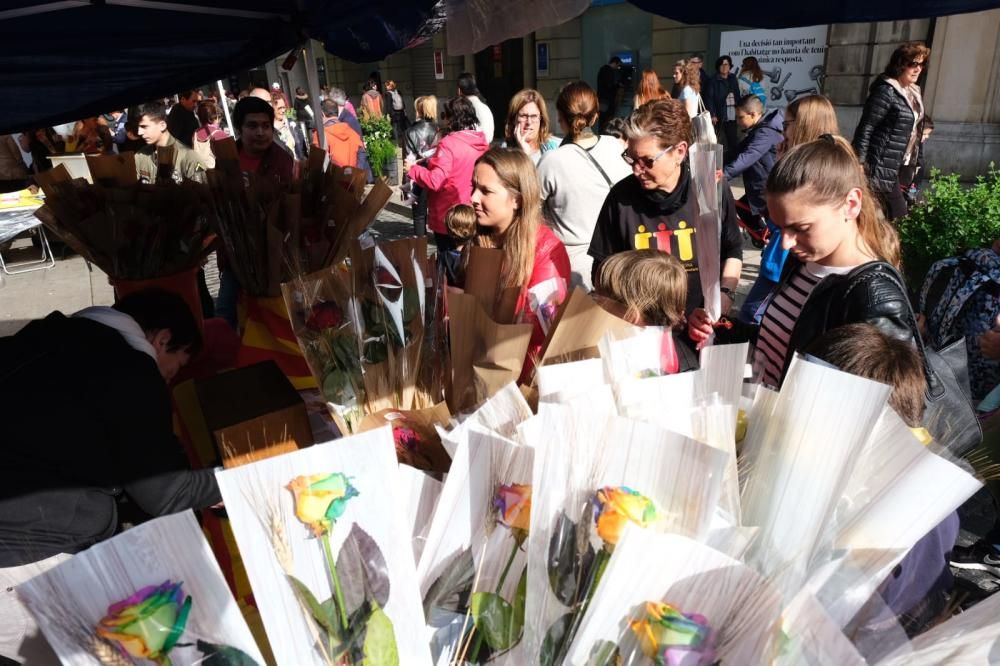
961 85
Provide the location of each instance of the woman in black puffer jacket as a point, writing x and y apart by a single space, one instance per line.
419 143
888 135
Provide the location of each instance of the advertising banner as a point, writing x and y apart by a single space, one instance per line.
792 60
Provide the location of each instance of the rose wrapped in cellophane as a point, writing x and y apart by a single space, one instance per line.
473 570
369 328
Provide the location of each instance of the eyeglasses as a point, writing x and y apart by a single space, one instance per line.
916 63
534 117
645 162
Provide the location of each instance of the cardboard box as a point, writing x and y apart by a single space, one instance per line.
253 413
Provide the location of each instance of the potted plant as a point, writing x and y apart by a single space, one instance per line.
381 147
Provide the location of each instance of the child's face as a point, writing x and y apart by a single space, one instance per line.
495 206
822 233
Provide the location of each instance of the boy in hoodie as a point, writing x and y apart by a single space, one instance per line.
754 158
342 142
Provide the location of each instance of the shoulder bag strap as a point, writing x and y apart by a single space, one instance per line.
594 162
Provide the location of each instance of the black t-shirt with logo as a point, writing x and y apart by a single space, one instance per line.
634 218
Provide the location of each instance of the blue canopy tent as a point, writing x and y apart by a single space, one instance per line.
68 59
62 60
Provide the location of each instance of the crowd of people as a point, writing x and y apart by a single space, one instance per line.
610 206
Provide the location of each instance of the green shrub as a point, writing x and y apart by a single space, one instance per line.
951 219
381 148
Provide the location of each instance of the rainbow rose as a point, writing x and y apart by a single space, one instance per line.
614 507
513 503
148 624
672 638
320 499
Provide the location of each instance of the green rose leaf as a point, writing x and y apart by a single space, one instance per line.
604 653
380 641
495 618
452 589
520 600
325 614
223 655
554 639
570 558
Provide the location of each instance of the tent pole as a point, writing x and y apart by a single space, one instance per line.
225 107
313 80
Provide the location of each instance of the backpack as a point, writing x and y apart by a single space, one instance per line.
961 298
755 88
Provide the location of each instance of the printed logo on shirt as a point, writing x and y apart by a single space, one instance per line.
664 239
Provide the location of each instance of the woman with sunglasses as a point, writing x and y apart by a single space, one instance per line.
888 134
654 208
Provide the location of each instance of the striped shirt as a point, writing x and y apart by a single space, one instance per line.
779 320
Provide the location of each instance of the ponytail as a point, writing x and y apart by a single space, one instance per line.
829 167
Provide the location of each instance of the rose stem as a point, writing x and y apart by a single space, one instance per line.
331 568
503 579
601 563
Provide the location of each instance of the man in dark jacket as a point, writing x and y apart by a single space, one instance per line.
182 121
88 438
608 87
721 93
757 152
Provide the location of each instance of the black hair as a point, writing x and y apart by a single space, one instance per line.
750 103
458 114
615 60
155 111
467 84
616 128
249 105
722 59
158 310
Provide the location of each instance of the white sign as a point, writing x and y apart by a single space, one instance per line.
792 60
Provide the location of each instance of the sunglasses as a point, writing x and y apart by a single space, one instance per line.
645 162
916 63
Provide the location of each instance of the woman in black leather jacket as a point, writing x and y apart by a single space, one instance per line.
888 134
843 261
420 142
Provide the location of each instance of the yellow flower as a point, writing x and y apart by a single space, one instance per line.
320 499
617 506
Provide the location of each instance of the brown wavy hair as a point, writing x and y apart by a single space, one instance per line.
690 75
578 107
519 101
813 117
649 88
517 173
652 285
829 169
904 55
751 68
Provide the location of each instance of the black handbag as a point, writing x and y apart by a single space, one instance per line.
949 415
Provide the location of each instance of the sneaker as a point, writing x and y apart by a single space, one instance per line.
980 556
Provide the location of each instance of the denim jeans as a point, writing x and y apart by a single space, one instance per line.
229 297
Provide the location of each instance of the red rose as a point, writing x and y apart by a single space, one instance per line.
324 316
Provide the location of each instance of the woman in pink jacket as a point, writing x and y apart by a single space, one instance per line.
447 175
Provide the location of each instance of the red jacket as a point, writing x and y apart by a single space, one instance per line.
448 174
551 261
